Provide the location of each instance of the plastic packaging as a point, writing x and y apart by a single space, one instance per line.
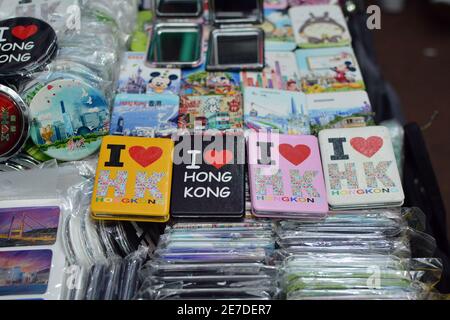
212 261
336 276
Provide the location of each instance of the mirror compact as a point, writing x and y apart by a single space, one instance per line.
235 44
176 45
236 12
235 49
178 8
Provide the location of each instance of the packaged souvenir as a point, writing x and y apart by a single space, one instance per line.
61 15
26 46
14 122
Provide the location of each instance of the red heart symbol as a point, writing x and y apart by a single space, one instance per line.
295 155
145 157
49 87
24 32
368 147
218 159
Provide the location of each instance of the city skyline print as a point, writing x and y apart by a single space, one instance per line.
69 117
24 272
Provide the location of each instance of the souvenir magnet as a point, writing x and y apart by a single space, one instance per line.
289 117
209 181
286 177
329 70
70 117
136 78
26 45
360 168
133 181
281 72
319 26
213 112
339 110
145 115
279 32
14 123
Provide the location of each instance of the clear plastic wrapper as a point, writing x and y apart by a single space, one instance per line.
212 261
213 256
159 268
130 281
61 15
113 280
49 205
209 294
328 276
121 13
394 294
398 137
373 231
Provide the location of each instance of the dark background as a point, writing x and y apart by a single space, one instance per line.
413 51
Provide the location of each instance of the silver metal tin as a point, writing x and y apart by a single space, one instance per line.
213 60
168 27
23 111
181 14
241 18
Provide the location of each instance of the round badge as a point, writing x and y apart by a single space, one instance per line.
14 123
69 118
26 45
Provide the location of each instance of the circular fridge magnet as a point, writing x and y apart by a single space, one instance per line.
69 118
14 123
26 45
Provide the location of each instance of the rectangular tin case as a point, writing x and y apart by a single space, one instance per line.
360 168
177 34
286 177
235 44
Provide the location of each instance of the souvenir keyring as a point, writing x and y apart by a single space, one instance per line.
14 123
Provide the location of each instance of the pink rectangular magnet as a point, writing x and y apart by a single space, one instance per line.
286 176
